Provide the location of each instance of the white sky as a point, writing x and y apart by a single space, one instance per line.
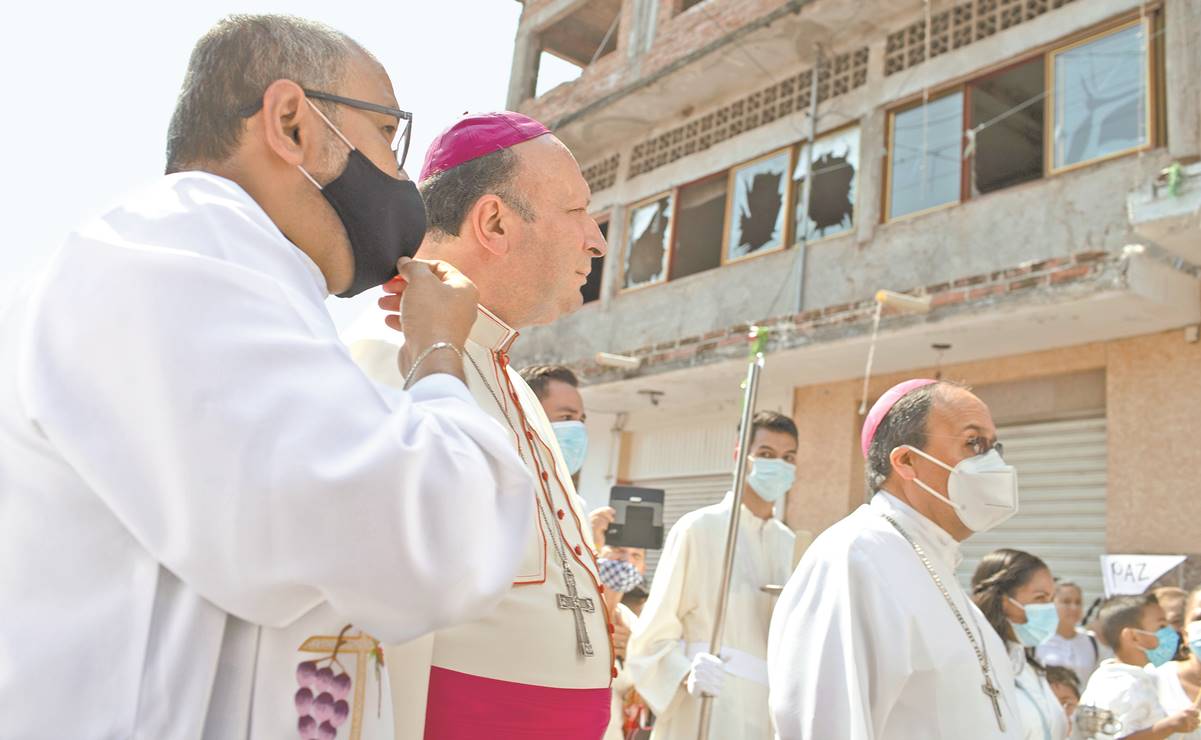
89 88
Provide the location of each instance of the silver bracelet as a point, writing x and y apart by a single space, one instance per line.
428 351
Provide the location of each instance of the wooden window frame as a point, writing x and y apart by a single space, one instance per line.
675 237
1152 19
785 238
1149 89
796 160
628 234
960 88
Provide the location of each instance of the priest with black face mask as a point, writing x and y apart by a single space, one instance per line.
209 516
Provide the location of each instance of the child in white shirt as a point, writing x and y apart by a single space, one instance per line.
1121 686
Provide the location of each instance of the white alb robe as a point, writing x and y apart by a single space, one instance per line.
677 622
527 639
195 479
864 646
1042 715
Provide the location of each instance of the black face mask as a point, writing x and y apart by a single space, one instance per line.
384 217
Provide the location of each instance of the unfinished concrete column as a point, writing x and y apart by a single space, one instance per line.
524 75
1182 28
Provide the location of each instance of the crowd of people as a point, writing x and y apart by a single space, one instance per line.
222 519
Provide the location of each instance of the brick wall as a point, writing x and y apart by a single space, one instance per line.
675 37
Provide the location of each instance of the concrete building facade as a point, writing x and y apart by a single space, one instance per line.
1025 168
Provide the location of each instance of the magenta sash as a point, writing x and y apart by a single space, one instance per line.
466 707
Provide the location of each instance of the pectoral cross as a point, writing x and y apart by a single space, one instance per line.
992 693
571 600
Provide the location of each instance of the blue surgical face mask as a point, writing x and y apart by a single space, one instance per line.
1193 631
771 478
573 441
1041 622
1169 640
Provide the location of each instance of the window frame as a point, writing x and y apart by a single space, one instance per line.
675 238
1149 88
627 235
937 94
1152 21
796 195
786 238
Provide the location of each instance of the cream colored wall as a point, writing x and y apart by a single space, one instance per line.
1152 397
1154 389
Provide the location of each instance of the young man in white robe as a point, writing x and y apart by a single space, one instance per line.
873 636
668 653
207 509
509 208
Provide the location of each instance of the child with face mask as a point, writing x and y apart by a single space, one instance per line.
1015 591
1123 686
1179 681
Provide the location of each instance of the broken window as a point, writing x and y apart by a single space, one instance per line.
647 238
1008 150
1100 104
924 155
576 41
592 288
832 197
699 226
759 190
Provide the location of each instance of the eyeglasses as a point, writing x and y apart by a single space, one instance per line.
400 142
981 446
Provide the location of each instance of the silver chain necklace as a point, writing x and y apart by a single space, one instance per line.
988 688
570 601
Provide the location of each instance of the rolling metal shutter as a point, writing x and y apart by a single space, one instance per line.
1061 517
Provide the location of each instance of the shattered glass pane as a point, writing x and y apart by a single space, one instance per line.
1100 97
832 198
757 214
646 243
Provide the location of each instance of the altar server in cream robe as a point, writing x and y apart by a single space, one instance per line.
668 654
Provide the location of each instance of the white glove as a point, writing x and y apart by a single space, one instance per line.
707 676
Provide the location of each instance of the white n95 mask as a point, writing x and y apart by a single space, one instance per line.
983 490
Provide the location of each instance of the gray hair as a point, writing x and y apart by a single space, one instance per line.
231 67
450 194
904 424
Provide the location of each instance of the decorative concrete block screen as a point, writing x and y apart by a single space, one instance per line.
842 74
602 174
958 27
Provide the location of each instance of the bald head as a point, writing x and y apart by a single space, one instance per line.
906 423
945 421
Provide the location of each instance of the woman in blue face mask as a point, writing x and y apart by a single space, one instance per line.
1016 593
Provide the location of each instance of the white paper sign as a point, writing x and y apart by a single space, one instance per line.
1132 574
